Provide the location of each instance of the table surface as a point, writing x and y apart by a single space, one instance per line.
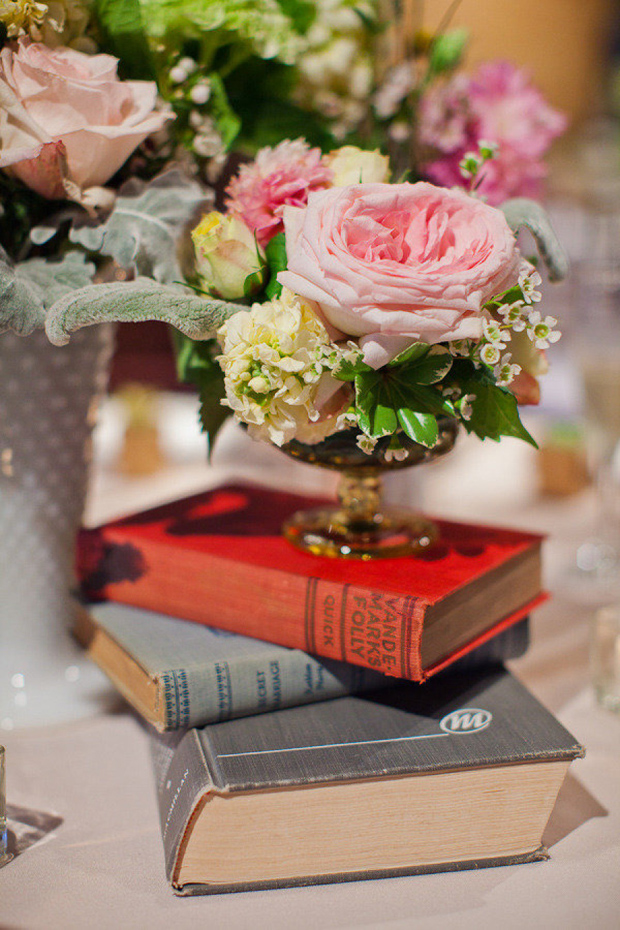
102 866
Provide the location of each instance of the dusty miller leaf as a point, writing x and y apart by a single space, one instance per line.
136 302
523 213
142 231
27 288
56 278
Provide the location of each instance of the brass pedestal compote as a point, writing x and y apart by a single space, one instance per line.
358 527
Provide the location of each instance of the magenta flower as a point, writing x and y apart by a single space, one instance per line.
279 177
496 104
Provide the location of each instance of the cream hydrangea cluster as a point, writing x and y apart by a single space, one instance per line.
276 359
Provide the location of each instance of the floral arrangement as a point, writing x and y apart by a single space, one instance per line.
381 306
68 124
326 295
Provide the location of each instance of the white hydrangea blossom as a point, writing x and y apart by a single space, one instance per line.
275 356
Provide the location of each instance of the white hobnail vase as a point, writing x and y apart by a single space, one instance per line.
48 398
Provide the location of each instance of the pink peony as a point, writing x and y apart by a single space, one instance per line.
66 118
398 263
278 177
497 104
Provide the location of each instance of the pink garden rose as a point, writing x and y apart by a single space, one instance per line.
66 119
496 104
398 263
279 176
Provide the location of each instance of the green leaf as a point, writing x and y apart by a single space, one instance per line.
367 385
384 416
495 412
347 370
412 353
252 283
142 231
122 27
196 364
425 399
384 402
275 253
421 427
136 302
430 369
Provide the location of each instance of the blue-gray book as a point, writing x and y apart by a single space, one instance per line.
461 772
178 674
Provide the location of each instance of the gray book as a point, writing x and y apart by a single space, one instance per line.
178 674
462 772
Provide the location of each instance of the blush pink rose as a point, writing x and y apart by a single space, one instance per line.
394 264
66 118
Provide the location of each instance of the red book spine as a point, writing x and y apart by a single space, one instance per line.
374 629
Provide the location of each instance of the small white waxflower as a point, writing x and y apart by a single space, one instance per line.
506 371
470 165
495 334
396 455
489 354
513 315
529 279
346 420
366 443
487 149
459 348
465 407
540 331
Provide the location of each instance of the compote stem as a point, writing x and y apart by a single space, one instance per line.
360 500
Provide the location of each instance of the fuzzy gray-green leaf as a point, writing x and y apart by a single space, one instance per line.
136 302
522 213
27 288
143 230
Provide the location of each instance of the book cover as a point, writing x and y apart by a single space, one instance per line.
461 773
219 558
180 674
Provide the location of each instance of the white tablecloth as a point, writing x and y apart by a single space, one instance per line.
102 867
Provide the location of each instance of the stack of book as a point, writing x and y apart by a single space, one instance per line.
297 688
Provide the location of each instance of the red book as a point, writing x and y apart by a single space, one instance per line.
219 558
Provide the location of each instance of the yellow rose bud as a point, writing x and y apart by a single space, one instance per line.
226 255
351 165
